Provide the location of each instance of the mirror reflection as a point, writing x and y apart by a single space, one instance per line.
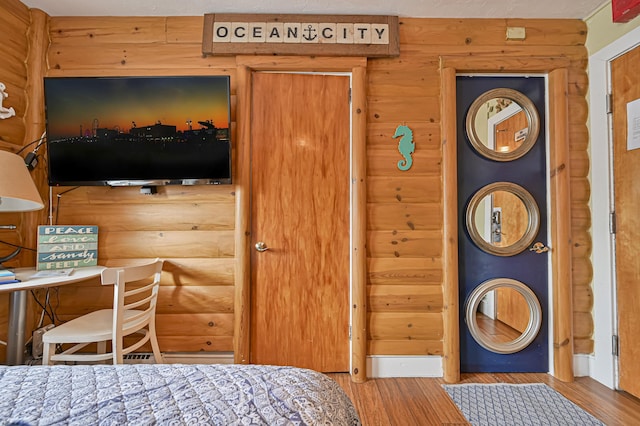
502 124
502 219
503 315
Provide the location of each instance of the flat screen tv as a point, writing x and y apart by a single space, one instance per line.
122 131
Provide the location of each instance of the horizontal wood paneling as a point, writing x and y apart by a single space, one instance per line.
384 162
405 298
418 216
399 325
15 20
193 227
400 87
403 243
403 347
16 10
410 189
118 30
385 271
490 32
155 216
163 244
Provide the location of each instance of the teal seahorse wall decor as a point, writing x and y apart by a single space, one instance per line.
405 146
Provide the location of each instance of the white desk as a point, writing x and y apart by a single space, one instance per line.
18 303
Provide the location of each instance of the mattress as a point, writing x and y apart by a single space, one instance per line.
171 394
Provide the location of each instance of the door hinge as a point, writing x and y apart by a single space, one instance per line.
612 222
609 103
349 94
615 345
349 333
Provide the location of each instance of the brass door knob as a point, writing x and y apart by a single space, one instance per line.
539 247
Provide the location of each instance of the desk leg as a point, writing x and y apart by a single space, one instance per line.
15 336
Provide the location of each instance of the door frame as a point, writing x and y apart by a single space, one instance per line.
603 364
357 68
559 222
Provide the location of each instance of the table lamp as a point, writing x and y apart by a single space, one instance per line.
18 192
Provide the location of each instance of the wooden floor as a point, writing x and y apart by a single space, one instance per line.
423 401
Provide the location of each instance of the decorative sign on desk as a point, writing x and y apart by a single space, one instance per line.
67 246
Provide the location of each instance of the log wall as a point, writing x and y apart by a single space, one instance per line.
193 227
20 71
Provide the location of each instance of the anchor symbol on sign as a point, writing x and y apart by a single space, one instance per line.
309 33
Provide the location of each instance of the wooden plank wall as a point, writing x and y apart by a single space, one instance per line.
405 208
193 226
15 21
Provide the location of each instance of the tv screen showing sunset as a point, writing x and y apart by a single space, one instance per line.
117 128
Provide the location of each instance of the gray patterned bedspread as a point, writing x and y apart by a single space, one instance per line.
171 394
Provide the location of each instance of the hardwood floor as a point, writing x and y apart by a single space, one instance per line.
423 401
496 331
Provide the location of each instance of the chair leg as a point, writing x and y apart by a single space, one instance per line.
101 348
117 345
48 349
157 355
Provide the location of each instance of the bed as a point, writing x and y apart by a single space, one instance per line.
171 394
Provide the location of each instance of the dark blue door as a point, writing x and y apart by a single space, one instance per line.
477 266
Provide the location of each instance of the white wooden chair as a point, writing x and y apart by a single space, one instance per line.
135 294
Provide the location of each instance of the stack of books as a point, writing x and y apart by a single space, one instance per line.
8 277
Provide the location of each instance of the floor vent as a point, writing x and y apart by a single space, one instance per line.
180 358
138 358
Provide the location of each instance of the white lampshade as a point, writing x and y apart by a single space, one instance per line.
18 193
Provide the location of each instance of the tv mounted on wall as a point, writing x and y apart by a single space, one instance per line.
124 131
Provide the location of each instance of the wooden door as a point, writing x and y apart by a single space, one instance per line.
512 309
626 169
507 132
300 138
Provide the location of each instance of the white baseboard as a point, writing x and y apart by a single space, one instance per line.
379 366
582 365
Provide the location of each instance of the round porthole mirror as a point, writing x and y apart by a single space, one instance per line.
502 219
503 315
502 124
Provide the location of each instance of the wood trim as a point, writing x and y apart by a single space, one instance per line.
561 225
358 68
560 221
242 299
490 63
359 227
300 63
451 330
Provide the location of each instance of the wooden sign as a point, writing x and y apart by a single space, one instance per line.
63 247
319 35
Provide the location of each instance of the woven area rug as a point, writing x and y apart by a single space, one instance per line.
521 404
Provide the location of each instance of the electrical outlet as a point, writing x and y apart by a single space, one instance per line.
36 342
